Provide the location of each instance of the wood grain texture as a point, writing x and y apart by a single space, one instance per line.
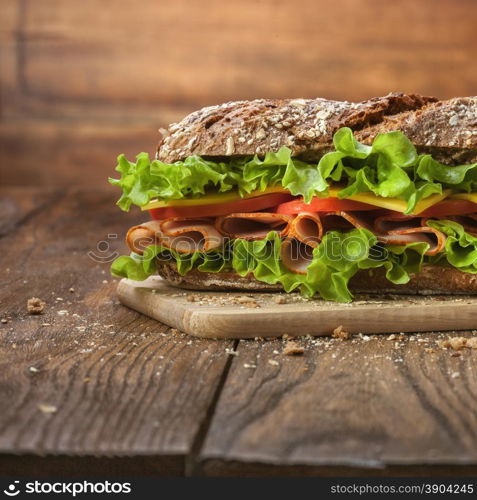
129 397
68 155
68 466
223 315
115 383
72 74
17 204
366 403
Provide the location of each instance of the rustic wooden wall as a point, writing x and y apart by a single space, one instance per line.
82 81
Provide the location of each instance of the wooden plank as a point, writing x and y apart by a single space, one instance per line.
49 466
224 315
221 468
56 154
17 204
80 84
89 377
69 52
366 403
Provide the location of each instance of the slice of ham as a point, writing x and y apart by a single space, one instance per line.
253 226
141 236
344 221
307 228
402 230
187 235
295 255
435 238
389 223
392 229
468 222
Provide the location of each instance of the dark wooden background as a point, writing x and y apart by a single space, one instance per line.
83 81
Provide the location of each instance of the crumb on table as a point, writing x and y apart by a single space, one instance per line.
458 343
35 305
340 333
293 349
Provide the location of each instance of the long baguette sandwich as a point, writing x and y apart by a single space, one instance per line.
320 196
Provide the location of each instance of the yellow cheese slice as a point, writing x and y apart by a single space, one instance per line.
464 196
369 198
393 203
213 198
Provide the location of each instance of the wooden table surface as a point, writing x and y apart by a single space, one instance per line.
91 387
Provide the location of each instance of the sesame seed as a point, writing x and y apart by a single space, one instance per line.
230 146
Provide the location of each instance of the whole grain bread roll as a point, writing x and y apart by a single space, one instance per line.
446 129
431 280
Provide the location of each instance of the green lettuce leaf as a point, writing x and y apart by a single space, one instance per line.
403 260
390 168
339 257
335 261
460 248
129 266
459 177
139 267
262 259
385 168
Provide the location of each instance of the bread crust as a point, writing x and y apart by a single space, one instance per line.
447 129
431 280
306 126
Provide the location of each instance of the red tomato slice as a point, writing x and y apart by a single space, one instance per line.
246 205
322 205
450 207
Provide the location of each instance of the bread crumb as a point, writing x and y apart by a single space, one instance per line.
293 349
244 299
340 333
33 369
35 305
455 343
279 299
273 362
4 320
47 408
471 343
392 337
251 305
71 290
455 375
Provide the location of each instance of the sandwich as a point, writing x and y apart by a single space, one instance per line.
324 197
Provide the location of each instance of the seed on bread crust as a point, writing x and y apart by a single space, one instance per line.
304 125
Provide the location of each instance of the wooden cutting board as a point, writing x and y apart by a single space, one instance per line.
226 315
